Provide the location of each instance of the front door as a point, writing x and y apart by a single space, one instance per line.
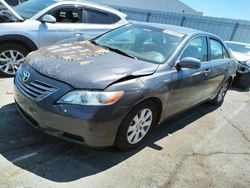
68 26
188 84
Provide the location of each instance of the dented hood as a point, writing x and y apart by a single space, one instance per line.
84 65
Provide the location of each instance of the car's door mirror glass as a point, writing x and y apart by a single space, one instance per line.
48 19
189 62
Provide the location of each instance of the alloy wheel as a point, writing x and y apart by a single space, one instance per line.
139 126
10 60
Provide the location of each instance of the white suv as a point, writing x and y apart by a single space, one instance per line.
38 23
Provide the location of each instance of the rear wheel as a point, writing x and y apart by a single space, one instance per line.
218 100
136 126
11 57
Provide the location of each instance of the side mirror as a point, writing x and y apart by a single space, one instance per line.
189 62
48 19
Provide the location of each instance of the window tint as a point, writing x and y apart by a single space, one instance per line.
67 15
216 50
197 48
115 18
93 16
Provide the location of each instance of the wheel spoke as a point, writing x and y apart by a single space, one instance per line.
136 119
12 54
143 113
6 68
4 54
131 128
148 115
3 59
136 139
1 66
13 68
18 54
20 60
131 136
143 132
146 124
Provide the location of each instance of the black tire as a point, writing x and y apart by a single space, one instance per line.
242 81
219 99
121 141
12 46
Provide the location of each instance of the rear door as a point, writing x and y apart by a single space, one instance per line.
188 84
219 66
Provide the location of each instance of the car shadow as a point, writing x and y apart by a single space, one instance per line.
61 161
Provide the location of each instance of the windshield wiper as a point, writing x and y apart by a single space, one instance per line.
117 50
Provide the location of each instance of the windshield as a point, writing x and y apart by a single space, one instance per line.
142 42
29 8
6 15
240 48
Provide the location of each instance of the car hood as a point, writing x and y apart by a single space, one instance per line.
6 10
87 66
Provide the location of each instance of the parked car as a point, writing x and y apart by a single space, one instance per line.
114 89
241 51
35 23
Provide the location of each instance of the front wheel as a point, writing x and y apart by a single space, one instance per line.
136 126
11 57
218 100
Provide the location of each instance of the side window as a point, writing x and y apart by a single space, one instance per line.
115 18
67 14
93 16
216 50
197 48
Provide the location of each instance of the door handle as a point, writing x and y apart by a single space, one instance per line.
207 71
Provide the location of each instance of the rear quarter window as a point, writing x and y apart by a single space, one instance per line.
94 16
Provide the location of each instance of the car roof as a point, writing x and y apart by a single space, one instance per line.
178 29
92 4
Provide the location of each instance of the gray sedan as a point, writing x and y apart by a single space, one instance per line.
114 89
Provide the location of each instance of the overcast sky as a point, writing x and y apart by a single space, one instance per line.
236 9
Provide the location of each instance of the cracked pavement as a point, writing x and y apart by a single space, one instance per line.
203 147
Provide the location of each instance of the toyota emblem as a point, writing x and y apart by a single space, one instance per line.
26 76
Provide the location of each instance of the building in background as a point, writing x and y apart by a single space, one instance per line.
158 5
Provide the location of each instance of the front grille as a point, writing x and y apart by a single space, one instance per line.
35 90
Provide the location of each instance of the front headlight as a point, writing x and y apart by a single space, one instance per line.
91 98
